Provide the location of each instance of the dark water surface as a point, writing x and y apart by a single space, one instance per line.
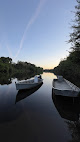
37 117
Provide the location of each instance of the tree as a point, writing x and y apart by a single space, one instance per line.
75 35
6 60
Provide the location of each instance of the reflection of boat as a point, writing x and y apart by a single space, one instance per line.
28 84
25 93
67 107
64 87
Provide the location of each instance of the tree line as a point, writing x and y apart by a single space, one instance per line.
70 66
7 66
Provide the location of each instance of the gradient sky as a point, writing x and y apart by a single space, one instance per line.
36 31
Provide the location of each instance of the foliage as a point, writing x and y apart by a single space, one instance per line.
48 70
70 67
5 65
75 35
17 69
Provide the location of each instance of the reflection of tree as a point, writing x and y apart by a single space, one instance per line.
23 76
5 79
74 127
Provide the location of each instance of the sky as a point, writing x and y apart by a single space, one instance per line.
36 31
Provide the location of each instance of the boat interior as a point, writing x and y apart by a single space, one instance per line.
64 85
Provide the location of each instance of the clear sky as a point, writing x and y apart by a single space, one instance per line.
36 31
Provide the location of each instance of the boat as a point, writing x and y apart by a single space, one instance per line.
30 83
63 87
22 94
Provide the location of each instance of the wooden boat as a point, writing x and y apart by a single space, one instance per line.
64 87
28 84
22 94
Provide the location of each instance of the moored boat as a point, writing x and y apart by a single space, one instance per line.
22 94
28 84
63 87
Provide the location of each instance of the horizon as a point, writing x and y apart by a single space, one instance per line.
36 31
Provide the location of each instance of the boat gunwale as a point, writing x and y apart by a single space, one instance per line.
28 82
71 89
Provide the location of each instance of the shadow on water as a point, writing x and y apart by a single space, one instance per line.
68 107
12 112
35 118
25 93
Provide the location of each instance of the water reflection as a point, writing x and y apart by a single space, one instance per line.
6 78
25 93
74 127
68 107
22 76
34 118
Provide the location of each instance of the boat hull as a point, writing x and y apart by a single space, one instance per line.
70 93
65 88
22 86
21 94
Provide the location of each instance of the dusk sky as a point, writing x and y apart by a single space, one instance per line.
36 31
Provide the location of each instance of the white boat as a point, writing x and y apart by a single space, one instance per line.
63 87
22 94
28 84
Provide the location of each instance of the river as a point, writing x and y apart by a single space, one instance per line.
39 117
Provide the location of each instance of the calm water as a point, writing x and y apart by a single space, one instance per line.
37 117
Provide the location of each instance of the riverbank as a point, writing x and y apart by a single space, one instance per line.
69 68
20 70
